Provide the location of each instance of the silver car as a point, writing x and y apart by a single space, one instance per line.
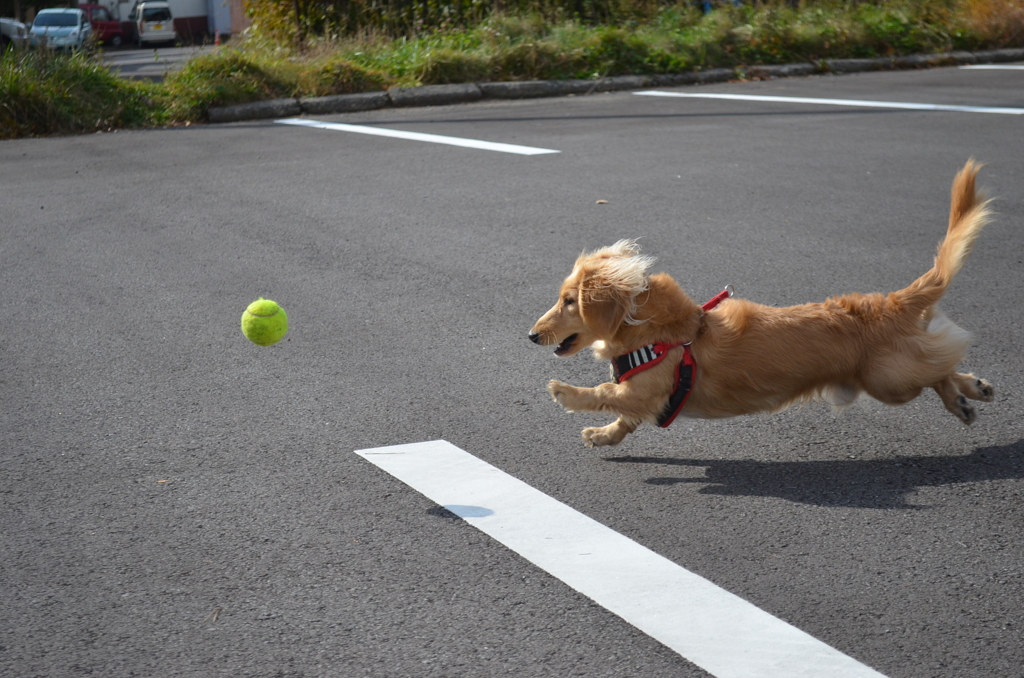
60 29
12 34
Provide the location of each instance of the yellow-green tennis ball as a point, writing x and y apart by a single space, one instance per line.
264 322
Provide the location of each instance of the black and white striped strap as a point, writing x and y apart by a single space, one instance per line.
625 366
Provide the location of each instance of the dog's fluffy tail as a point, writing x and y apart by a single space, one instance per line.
968 214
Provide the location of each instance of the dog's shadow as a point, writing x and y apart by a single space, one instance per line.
874 483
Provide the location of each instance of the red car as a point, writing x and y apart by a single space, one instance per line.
105 28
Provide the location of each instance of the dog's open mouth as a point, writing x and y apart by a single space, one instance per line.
566 345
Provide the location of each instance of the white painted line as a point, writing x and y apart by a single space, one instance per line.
716 630
837 102
995 67
418 136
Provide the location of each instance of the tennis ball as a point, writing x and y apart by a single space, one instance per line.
264 322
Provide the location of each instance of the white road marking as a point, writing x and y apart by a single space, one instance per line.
995 67
837 102
716 630
419 136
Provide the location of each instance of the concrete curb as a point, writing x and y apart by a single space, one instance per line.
257 110
435 95
344 103
442 95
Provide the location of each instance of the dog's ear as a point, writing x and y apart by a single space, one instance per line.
603 309
609 281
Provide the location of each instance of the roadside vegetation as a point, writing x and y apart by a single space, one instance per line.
346 46
47 93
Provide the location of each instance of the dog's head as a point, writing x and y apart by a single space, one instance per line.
597 298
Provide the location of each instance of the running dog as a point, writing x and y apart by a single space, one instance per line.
671 356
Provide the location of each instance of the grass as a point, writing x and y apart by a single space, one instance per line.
46 93
233 76
53 94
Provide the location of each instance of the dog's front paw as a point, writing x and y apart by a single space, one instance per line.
598 437
556 389
560 392
563 394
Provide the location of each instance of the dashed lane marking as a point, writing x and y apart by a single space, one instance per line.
994 67
861 103
418 136
716 630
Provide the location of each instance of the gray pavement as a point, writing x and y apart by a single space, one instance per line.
151 62
175 501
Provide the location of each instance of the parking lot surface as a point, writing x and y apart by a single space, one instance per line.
176 501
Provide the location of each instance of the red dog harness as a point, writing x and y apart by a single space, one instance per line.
630 364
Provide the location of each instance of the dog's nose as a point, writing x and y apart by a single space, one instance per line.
534 337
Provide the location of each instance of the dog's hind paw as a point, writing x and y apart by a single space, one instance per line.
965 412
986 392
975 388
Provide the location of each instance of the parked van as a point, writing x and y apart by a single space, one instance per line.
153 22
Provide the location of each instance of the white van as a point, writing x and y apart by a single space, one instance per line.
153 22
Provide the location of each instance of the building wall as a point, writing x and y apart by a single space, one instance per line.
239 21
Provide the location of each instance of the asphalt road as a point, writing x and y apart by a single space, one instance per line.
179 502
151 62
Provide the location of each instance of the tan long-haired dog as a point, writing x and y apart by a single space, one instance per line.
671 357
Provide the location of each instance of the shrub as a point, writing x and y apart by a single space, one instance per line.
995 23
232 76
52 93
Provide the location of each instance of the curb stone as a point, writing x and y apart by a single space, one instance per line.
784 71
440 95
524 89
257 110
435 95
344 103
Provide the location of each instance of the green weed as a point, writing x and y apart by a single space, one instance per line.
45 93
233 76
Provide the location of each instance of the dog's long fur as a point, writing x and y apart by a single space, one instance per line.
753 358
